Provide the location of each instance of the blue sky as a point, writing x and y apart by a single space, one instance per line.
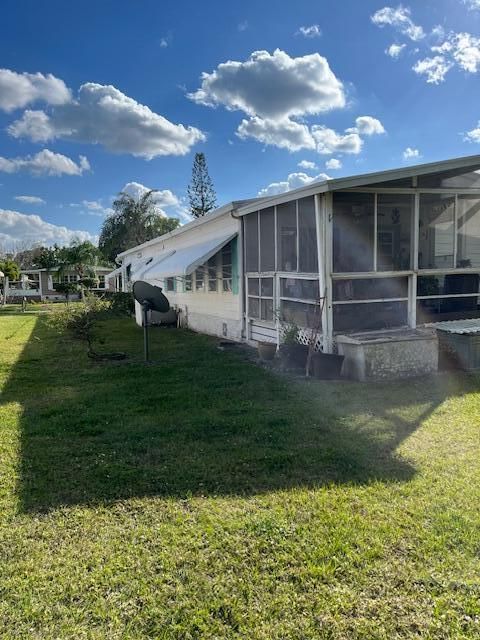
95 96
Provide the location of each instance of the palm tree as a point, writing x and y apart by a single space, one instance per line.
82 258
11 272
133 222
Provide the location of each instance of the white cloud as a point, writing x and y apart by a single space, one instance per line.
273 86
163 43
400 18
313 31
242 26
411 153
465 50
30 199
306 164
329 141
94 208
333 164
18 227
101 114
367 126
45 163
293 181
474 134
435 69
394 50
166 202
19 89
472 4
285 134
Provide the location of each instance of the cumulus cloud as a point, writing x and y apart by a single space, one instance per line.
166 202
367 126
30 199
313 31
399 18
273 86
464 49
101 114
410 154
474 134
277 92
16 227
329 141
45 163
293 181
306 164
19 89
333 164
472 4
435 69
394 50
285 133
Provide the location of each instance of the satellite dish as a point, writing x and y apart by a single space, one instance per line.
152 299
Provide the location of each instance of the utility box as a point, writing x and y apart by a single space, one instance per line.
459 343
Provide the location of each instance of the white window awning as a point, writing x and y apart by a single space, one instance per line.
139 268
114 273
183 262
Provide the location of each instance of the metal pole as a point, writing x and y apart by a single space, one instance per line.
145 330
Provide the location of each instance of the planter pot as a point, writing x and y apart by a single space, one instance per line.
294 355
267 350
326 366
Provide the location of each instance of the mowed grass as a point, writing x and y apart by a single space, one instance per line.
204 497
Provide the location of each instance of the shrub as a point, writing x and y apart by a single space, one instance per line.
122 303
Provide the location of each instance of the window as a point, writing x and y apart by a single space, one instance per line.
453 308
251 242
450 180
299 301
468 228
267 240
369 316
170 284
260 298
188 283
353 232
370 289
448 297
101 281
199 279
436 243
394 231
227 267
212 274
307 236
287 236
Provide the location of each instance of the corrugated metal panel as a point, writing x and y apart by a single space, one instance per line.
470 326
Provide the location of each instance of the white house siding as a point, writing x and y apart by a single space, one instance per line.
214 313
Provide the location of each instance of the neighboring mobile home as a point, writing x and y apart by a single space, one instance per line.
386 250
39 284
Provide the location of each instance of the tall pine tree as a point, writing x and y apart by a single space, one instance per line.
200 190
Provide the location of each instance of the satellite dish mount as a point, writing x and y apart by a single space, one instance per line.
150 298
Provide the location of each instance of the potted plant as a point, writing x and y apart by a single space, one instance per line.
266 350
293 353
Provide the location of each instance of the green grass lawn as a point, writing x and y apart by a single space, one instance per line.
203 497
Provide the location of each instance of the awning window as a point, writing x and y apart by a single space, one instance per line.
184 261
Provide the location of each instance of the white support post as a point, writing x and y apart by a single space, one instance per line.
322 213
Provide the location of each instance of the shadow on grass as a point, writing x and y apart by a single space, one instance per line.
202 422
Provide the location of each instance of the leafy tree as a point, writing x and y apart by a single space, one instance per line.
200 190
47 258
132 222
10 269
82 258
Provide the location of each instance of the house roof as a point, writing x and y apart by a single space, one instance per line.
243 207
470 163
